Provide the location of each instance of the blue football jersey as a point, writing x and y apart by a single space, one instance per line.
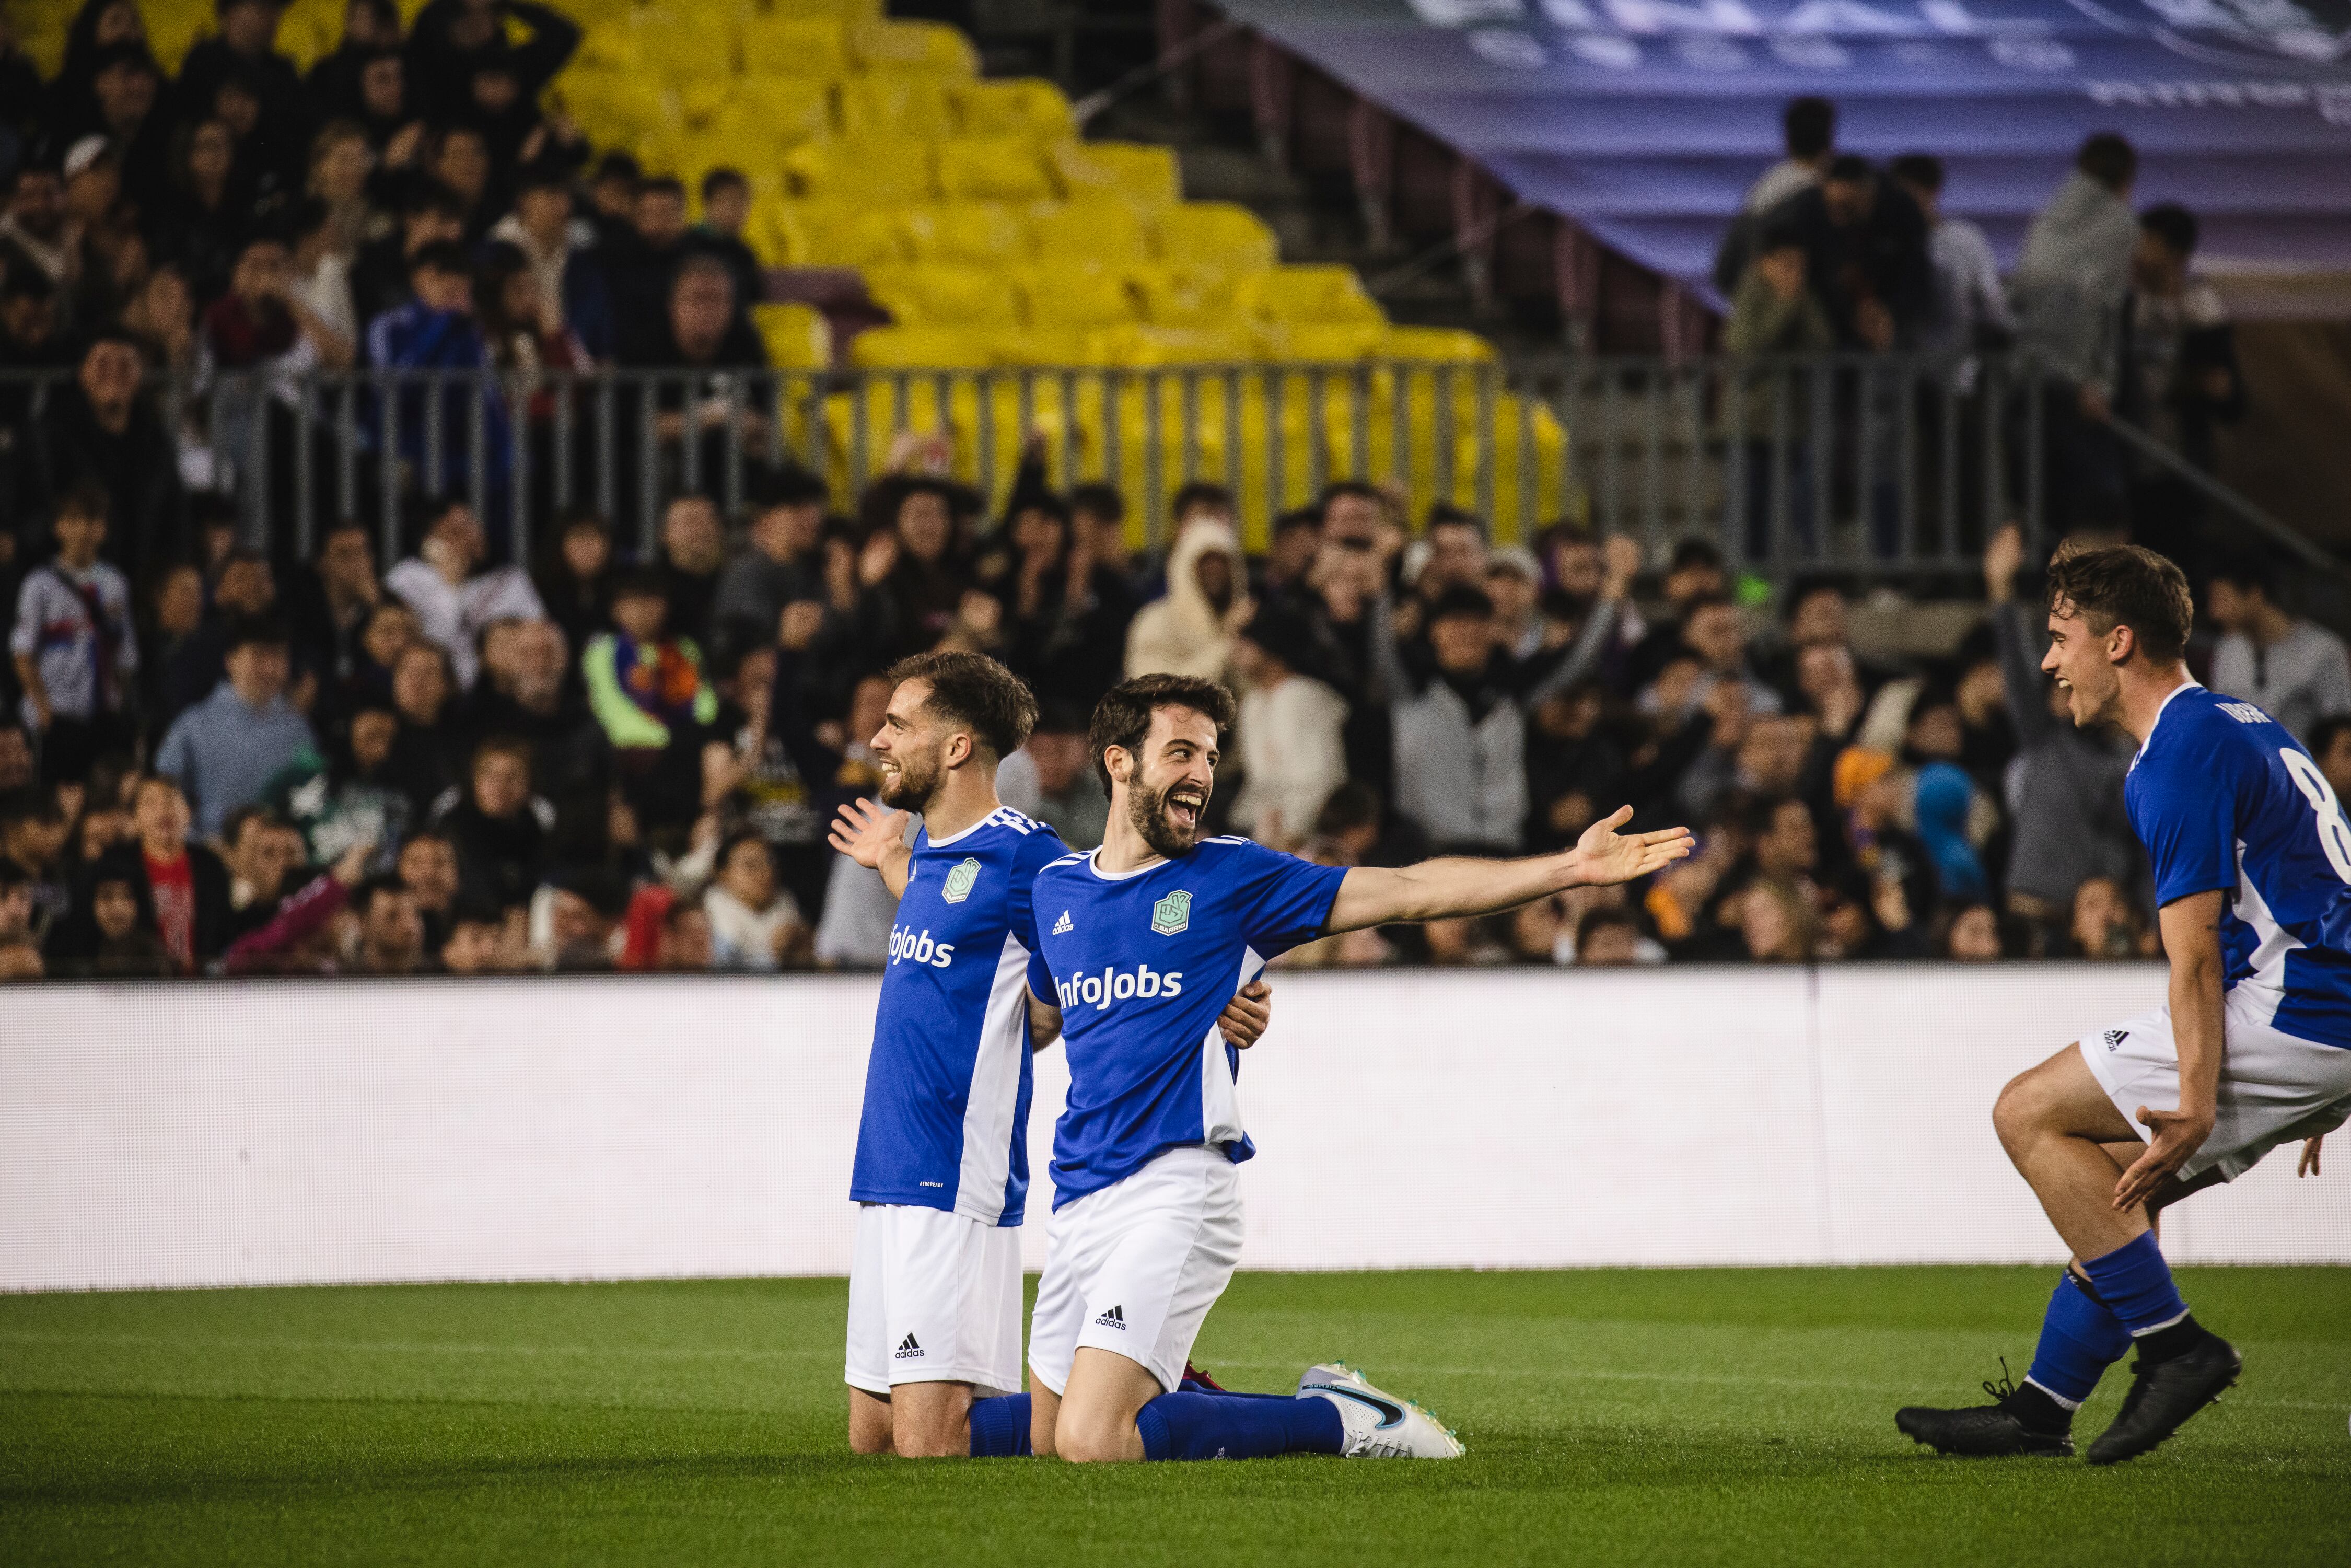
1143 964
2224 797
946 1123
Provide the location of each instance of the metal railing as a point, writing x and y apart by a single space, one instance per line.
1887 465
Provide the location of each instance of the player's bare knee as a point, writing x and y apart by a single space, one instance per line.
1088 1446
2020 1113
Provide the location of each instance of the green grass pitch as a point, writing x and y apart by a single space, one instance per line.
1633 1417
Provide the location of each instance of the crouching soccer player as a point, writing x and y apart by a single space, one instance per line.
2252 876
942 1167
1147 937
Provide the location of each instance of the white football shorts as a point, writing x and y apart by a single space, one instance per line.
2275 1088
1135 1267
934 1297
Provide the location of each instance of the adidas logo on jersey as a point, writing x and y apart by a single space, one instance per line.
1062 927
1115 1318
908 1349
1084 990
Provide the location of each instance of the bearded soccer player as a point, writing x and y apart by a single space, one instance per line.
1147 937
2252 876
942 1168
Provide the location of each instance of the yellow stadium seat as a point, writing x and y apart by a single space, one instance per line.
995 169
607 46
930 47
1436 344
771 114
920 348
1322 343
1185 296
867 171
935 295
796 336
615 104
829 233
1092 169
1299 294
968 233
1146 346
1215 234
1079 293
1024 106
677 45
808 47
898 105
1103 231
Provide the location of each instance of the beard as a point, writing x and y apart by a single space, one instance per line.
917 781
1169 835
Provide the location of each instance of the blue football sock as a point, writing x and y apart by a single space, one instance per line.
2135 1284
1249 1426
2079 1340
1000 1427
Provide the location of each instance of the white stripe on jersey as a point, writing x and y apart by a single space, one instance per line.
988 1109
2267 982
1220 1097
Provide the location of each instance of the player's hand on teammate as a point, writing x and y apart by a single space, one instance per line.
1248 1016
2307 1165
1605 855
866 831
2177 1136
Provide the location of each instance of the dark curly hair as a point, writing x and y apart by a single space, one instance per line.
1123 717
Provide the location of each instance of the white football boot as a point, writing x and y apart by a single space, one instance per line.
1379 1425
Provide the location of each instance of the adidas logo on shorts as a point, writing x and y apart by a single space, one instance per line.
2114 1037
908 1349
1114 1319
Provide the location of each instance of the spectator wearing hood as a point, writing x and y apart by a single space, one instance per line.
1190 632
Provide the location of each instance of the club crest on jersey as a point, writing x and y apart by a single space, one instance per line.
1172 914
960 880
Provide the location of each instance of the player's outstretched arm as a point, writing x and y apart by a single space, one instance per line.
1443 888
873 835
2191 939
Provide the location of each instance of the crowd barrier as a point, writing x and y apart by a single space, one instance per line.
1897 464
576 1128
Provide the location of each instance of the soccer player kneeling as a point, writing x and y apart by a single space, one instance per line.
2252 876
1146 938
942 1171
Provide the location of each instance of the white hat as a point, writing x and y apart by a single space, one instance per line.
83 153
1515 558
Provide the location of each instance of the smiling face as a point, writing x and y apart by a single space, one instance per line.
2087 662
1164 786
914 749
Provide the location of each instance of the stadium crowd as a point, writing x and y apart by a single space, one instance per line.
219 759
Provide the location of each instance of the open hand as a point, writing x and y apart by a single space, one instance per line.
1605 856
1246 1018
2178 1135
866 831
